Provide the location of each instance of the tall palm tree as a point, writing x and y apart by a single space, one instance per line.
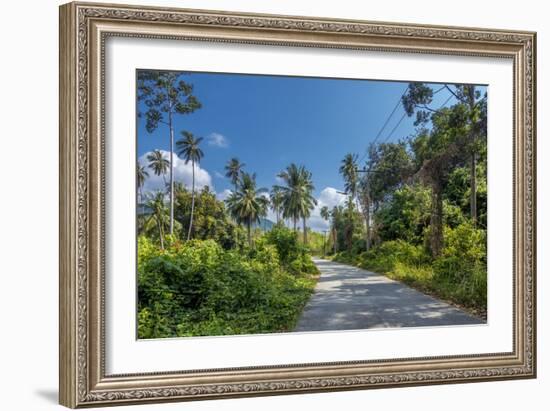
276 197
233 170
247 204
188 147
141 176
298 200
307 201
348 170
291 177
158 164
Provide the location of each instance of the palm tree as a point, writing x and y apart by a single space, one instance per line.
290 177
307 201
158 164
141 176
247 204
277 199
233 170
188 147
158 213
348 169
325 215
298 200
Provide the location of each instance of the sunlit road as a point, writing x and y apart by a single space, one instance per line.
348 298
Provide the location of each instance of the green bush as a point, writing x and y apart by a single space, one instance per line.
293 255
462 265
385 256
198 288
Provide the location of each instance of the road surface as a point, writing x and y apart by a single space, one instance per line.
349 298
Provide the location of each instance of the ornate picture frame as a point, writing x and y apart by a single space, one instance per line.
84 29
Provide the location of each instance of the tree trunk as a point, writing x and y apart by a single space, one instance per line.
305 229
192 200
171 175
161 235
366 215
436 221
249 234
295 221
335 237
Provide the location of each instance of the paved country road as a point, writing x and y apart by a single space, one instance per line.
348 298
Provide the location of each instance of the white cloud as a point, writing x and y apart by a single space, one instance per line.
329 197
217 174
182 174
217 140
224 194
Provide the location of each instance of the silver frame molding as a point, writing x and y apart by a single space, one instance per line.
84 27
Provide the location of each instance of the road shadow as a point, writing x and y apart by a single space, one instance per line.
350 298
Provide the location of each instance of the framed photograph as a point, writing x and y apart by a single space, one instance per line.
261 205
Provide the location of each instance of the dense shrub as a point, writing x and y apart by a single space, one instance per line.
462 264
294 256
198 288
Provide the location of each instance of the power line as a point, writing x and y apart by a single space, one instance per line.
402 117
390 116
396 126
400 120
387 121
446 101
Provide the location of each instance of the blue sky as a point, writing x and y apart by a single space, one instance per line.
269 122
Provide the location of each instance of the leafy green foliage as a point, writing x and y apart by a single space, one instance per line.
406 216
462 264
294 256
198 288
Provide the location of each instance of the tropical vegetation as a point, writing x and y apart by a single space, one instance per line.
415 210
205 266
